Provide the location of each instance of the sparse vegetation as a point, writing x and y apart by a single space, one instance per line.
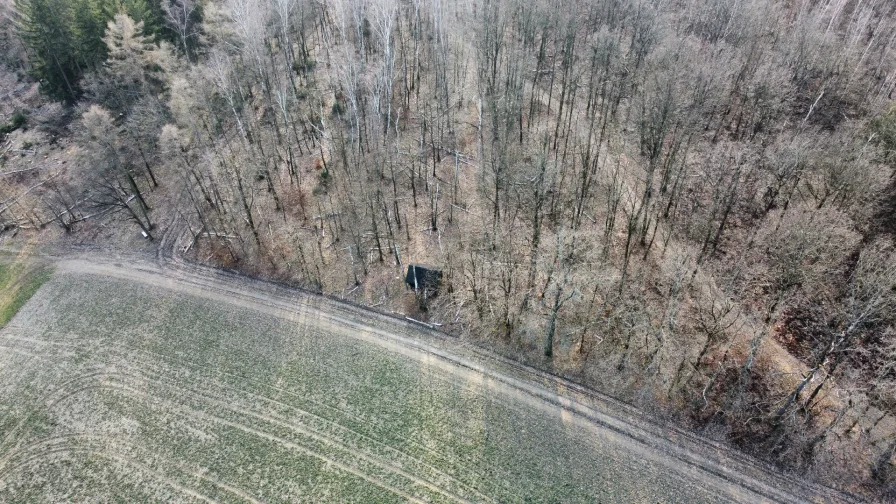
17 121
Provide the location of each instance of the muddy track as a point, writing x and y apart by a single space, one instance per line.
728 473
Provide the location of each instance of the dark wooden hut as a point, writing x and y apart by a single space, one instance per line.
423 278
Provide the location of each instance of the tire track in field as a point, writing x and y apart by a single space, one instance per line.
31 353
44 455
49 402
120 444
109 370
46 342
126 360
380 461
41 450
160 477
36 450
297 428
24 352
274 439
296 310
8 341
304 428
198 415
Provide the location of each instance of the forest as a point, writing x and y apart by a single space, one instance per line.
686 204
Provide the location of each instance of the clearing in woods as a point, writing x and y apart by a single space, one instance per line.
130 385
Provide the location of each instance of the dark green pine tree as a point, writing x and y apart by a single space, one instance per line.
89 25
65 37
46 28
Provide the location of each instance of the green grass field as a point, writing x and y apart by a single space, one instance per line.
18 282
120 392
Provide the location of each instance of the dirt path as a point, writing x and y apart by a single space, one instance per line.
727 473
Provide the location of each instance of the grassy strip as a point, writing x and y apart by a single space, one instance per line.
17 284
6 272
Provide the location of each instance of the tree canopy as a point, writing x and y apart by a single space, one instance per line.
65 37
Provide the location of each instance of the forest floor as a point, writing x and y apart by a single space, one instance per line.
148 379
